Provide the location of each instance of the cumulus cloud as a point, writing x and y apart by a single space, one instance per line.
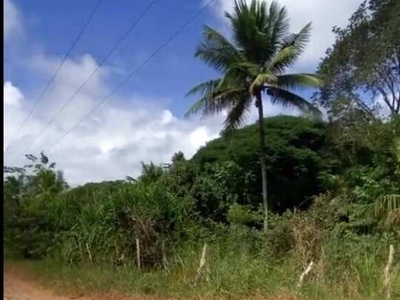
109 144
12 95
12 20
324 14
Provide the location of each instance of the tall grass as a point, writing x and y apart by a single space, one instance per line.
232 274
84 241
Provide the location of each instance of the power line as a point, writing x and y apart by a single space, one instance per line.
121 39
74 43
135 71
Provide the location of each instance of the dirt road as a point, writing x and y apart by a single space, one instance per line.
18 288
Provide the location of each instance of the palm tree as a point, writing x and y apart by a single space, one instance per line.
150 173
251 66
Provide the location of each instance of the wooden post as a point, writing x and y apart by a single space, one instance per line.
304 274
138 253
202 263
386 280
90 254
164 255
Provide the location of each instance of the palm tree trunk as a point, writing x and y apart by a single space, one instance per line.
262 158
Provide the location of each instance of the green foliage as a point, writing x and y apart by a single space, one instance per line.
27 192
295 157
217 187
356 71
244 215
138 210
150 173
387 209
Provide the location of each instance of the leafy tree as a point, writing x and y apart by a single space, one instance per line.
364 63
252 65
39 177
28 191
217 187
296 158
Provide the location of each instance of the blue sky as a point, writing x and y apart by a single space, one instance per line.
143 121
54 25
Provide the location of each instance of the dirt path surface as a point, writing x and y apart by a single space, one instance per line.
16 287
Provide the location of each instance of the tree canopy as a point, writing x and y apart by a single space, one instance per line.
362 69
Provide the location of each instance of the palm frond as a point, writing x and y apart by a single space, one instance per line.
204 87
300 39
248 67
278 23
196 107
282 59
217 101
298 81
288 99
218 40
292 47
250 29
237 115
217 51
386 209
232 79
260 80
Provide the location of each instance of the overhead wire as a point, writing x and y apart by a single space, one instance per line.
163 45
87 80
48 84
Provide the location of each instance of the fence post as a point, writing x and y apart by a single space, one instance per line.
164 255
304 274
386 280
138 253
90 253
202 263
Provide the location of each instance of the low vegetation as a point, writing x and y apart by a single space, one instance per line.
196 227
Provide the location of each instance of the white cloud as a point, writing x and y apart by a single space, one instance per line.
12 20
12 95
109 144
324 14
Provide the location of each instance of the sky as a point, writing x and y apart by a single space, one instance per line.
142 120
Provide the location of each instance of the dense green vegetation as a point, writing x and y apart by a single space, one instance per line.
349 218
334 199
295 155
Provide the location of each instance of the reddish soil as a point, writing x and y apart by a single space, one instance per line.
18 286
